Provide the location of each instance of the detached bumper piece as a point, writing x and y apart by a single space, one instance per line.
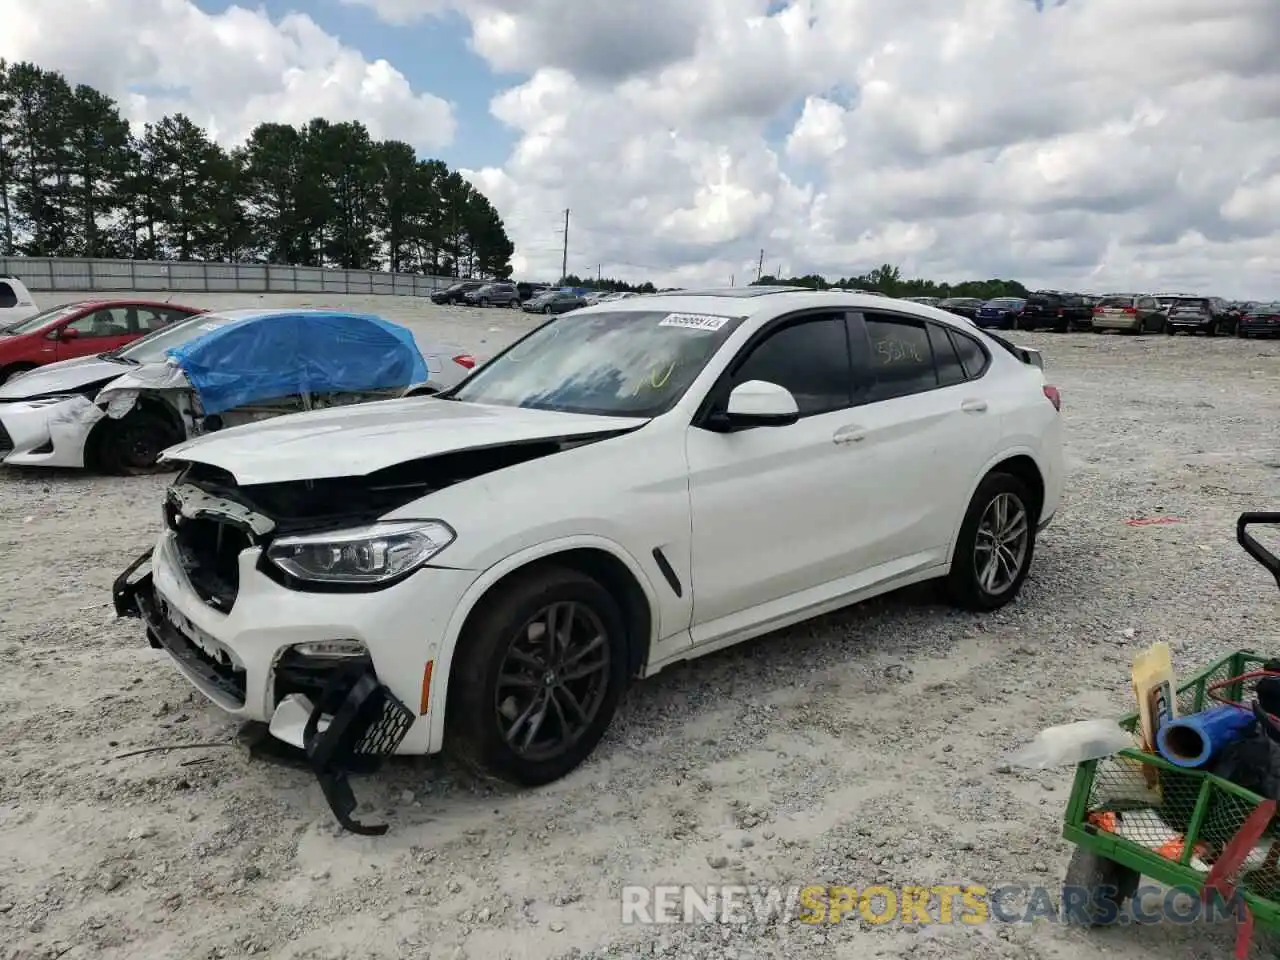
366 722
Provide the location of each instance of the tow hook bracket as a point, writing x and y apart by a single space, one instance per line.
367 723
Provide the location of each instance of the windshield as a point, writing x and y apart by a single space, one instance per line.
1188 305
1122 302
635 363
1004 302
154 345
44 318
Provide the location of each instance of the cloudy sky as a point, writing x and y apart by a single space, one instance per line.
1089 144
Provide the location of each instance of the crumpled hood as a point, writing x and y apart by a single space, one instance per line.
356 440
65 375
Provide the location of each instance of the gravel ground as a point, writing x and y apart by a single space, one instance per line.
865 747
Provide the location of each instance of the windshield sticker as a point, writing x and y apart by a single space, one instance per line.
693 321
209 326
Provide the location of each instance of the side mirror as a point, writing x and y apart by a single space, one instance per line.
758 403
67 333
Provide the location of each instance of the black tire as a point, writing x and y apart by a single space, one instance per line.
474 713
514 304
1106 883
963 583
547 310
1212 328
14 369
482 302
131 445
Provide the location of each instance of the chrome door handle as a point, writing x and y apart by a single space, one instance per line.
974 406
848 435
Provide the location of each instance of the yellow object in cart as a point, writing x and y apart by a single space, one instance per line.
1153 688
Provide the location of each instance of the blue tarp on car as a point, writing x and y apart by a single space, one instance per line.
278 353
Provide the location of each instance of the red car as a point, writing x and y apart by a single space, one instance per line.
81 329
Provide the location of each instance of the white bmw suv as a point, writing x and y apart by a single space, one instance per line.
627 486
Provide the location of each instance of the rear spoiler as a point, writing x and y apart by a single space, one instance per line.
1028 355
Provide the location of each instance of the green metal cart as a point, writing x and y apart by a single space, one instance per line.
1133 814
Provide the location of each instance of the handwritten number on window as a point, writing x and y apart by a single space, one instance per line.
898 351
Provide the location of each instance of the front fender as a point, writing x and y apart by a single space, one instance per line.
443 658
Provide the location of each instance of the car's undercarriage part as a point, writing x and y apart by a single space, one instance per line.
355 723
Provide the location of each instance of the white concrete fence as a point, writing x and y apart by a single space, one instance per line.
106 276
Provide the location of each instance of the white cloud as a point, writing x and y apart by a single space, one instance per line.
1095 143
228 71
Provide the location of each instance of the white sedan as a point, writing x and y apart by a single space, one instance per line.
626 487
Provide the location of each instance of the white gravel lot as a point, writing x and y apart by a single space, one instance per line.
863 748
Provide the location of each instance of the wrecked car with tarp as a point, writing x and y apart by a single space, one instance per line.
118 410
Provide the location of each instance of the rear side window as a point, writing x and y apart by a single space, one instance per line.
950 369
972 355
7 297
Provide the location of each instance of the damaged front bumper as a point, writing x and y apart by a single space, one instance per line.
47 432
354 723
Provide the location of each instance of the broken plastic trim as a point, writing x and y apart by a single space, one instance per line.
367 723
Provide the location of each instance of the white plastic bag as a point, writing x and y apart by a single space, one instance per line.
1072 743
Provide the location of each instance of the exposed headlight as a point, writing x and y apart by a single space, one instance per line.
373 554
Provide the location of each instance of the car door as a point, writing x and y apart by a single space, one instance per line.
94 332
775 510
929 423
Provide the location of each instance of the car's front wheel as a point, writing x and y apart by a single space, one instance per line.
547 311
537 676
996 544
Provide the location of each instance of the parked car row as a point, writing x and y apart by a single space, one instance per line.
1121 312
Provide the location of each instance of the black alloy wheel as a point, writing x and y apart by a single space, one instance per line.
536 676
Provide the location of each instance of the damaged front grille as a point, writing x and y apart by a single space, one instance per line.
209 550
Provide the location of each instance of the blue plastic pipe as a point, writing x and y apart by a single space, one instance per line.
1193 740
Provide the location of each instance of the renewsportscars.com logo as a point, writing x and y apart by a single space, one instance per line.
919 905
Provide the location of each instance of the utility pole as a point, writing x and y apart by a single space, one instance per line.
598 266
732 277
564 257
760 266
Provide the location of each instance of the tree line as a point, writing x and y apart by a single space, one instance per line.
76 181
886 279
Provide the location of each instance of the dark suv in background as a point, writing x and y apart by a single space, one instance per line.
1209 315
498 294
966 307
1056 310
455 293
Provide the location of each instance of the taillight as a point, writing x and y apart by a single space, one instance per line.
1131 310
465 360
1054 397
1097 310
1059 311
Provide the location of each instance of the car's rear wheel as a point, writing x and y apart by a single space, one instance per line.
536 678
133 444
996 544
